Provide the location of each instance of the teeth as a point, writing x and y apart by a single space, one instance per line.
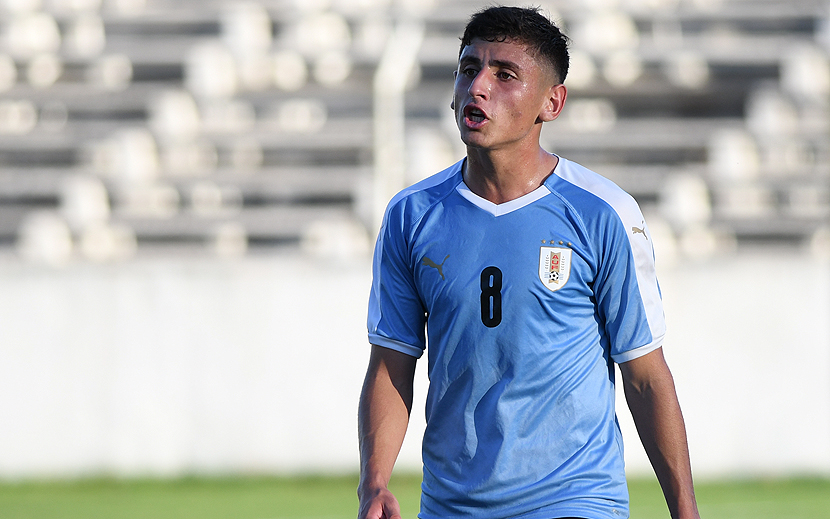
476 116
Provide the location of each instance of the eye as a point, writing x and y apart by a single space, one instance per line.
504 75
469 71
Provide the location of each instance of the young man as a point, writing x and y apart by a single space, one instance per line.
532 276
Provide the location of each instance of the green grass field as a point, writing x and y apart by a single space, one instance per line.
334 498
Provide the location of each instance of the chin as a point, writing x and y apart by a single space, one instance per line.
477 144
472 139
472 144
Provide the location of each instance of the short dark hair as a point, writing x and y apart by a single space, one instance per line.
526 25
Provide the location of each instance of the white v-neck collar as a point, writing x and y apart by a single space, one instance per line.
507 207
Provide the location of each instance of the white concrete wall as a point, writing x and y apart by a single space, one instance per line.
160 367
749 346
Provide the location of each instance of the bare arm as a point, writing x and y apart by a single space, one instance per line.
652 399
383 415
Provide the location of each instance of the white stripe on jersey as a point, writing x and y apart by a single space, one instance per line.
629 213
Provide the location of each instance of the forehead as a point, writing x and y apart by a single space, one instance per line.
509 50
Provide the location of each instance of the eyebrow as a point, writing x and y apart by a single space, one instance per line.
492 63
505 64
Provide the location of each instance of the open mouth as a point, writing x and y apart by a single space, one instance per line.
475 115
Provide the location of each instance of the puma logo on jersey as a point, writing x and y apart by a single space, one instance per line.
440 268
638 230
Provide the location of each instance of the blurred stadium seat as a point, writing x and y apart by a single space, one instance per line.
221 127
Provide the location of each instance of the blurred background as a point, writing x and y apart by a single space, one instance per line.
190 190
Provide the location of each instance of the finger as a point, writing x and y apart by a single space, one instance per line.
393 511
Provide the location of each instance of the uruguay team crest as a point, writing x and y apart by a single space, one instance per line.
554 267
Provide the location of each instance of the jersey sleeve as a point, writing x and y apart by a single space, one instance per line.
397 317
628 295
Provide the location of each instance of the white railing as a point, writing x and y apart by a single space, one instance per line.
391 78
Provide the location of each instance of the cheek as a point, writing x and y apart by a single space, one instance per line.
519 109
458 91
529 106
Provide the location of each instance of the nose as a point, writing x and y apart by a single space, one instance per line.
480 85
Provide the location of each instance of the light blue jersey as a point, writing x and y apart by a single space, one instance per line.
525 306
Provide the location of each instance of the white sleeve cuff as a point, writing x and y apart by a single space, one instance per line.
637 352
392 344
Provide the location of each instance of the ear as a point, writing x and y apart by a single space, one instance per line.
454 77
554 103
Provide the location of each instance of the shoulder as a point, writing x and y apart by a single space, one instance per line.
592 195
414 201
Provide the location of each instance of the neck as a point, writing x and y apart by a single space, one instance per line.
500 176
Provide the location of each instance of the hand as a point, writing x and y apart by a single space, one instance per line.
379 504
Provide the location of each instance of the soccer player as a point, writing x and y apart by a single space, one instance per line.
529 277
